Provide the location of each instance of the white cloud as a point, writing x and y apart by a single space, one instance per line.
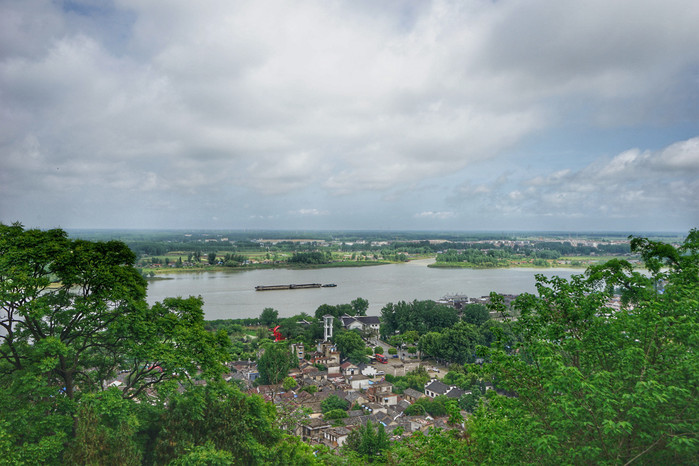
634 185
435 215
243 103
308 212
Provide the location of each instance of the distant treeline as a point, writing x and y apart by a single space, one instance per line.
387 244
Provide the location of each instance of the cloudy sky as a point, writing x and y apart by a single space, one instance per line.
421 115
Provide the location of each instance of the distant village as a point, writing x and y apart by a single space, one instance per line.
368 395
363 388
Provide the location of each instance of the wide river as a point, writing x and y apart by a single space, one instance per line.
231 294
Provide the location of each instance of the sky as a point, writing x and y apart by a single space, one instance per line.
351 115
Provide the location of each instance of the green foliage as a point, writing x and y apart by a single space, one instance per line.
415 409
378 350
456 344
168 344
359 306
94 321
332 403
418 316
595 385
348 342
434 407
269 317
211 257
315 257
64 329
475 314
335 414
478 258
435 447
289 383
392 351
206 454
104 432
493 331
219 415
368 441
358 356
335 311
310 389
415 379
275 362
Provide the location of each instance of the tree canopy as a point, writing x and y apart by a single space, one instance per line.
599 385
420 316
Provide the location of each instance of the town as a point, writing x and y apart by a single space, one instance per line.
335 393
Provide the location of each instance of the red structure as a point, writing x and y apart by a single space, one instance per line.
277 336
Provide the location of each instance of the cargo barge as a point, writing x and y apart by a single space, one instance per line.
301 286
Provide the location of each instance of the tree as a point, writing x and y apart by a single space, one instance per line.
334 402
66 328
275 362
211 258
289 383
367 440
106 424
166 344
475 314
348 342
334 414
73 314
222 417
420 316
597 385
269 317
360 306
358 356
456 344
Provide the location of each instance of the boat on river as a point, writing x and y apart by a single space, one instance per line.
301 286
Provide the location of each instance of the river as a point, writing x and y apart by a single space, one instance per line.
231 294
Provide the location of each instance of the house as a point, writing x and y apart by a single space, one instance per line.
336 436
368 324
366 369
436 387
401 406
373 408
355 398
333 369
358 382
382 393
312 432
412 395
351 323
388 399
298 350
348 369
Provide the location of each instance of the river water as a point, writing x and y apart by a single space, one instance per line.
231 294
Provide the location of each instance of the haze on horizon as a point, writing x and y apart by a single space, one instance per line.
354 115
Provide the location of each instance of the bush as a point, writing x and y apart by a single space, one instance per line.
334 402
335 414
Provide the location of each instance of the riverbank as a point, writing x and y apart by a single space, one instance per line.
155 272
568 262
